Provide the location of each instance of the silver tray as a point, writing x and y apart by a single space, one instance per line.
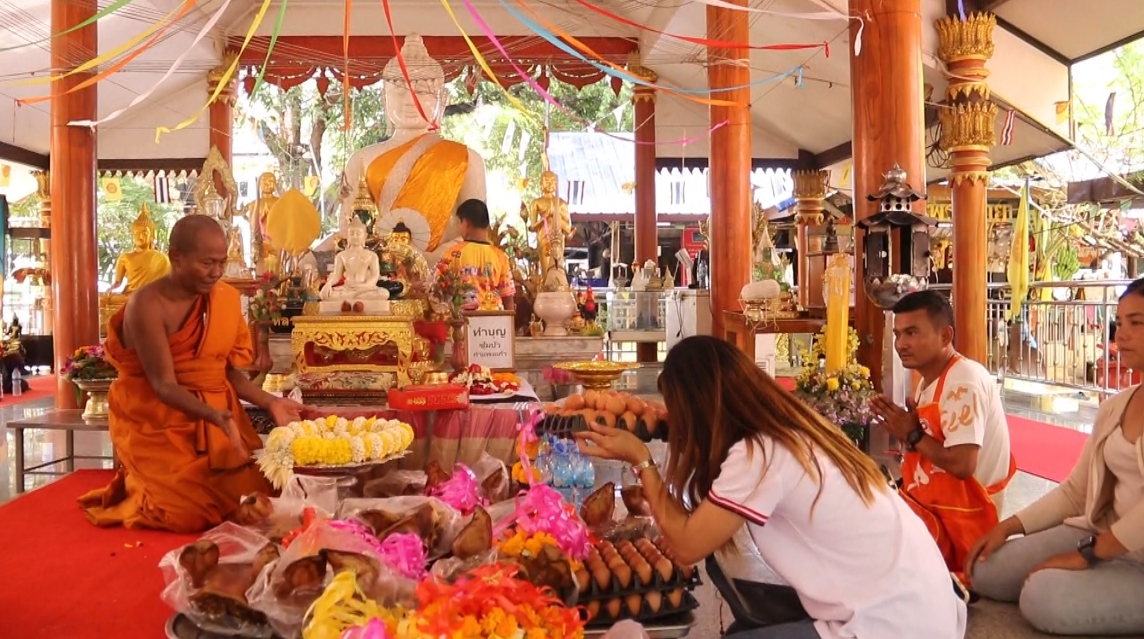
672 631
180 627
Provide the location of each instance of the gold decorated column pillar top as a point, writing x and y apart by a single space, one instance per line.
968 132
215 76
810 202
810 195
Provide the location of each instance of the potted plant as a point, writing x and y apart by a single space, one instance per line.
92 373
842 396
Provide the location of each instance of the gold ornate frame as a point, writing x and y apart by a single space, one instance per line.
216 164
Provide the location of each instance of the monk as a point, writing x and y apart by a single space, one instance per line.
183 440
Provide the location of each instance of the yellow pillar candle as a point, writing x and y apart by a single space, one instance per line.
837 280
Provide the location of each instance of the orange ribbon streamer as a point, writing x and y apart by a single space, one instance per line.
433 126
347 118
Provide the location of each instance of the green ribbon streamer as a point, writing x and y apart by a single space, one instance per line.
110 9
270 47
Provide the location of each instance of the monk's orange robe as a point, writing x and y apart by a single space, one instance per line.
179 473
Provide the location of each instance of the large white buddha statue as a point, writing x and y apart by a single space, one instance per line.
354 278
415 173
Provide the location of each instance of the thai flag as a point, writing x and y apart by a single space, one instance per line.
1007 130
162 189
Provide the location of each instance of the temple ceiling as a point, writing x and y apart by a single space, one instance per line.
800 98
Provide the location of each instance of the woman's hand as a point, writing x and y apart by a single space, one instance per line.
612 443
991 541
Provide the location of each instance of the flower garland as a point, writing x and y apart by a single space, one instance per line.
490 603
331 441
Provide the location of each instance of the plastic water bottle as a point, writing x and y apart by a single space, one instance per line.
17 383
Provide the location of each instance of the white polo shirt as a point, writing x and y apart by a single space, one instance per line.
862 572
972 413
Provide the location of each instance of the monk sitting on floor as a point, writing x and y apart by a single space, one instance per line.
183 440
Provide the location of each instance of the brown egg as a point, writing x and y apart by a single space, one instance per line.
629 421
654 601
583 579
675 598
613 607
636 406
551 408
590 398
642 568
622 572
634 604
616 405
688 571
605 418
593 609
574 402
589 415
665 568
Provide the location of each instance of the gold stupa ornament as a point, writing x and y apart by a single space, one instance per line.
365 208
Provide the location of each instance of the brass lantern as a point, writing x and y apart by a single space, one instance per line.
890 277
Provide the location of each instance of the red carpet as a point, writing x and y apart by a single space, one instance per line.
61 577
39 388
1044 450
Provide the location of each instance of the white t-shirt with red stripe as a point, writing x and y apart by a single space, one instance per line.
862 571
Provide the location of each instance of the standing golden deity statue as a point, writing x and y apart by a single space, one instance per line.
141 265
548 217
265 257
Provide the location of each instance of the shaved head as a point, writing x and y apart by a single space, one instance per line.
190 232
198 249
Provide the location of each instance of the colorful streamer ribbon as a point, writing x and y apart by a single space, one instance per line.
961 9
226 76
270 47
347 107
527 77
433 124
106 11
481 62
175 67
166 22
701 41
812 15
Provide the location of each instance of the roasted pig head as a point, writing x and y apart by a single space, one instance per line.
634 501
550 568
600 506
435 475
378 520
366 568
476 537
198 559
253 509
305 574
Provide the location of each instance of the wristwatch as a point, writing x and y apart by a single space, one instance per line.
1087 549
638 469
914 437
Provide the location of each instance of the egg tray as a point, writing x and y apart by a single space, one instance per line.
666 610
637 587
566 425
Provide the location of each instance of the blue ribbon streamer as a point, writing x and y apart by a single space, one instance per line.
798 82
616 73
961 9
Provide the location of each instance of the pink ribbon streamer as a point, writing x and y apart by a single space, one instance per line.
403 552
527 77
375 629
543 509
461 491
527 430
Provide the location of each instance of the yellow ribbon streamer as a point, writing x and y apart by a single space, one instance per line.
484 63
225 80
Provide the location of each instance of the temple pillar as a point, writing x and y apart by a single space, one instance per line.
647 231
810 202
221 113
886 98
729 165
74 264
968 133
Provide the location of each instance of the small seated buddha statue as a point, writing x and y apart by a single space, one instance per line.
141 265
361 269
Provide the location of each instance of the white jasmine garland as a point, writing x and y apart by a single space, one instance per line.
368 439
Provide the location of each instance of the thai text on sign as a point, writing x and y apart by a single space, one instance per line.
491 339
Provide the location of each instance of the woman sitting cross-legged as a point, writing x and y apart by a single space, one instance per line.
743 451
1079 568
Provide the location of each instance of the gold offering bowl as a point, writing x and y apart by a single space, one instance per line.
96 408
596 375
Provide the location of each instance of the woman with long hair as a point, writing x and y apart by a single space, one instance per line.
743 451
1077 563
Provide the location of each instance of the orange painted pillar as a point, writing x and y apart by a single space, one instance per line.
221 113
730 160
647 232
886 97
75 295
967 132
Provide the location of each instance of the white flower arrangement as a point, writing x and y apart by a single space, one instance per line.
331 442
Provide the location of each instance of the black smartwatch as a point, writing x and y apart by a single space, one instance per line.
1087 549
914 437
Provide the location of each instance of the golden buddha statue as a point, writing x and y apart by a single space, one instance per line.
415 173
265 256
141 265
548 217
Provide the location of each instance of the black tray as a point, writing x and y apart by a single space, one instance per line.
664 616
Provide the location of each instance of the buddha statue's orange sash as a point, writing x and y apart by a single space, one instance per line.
433 184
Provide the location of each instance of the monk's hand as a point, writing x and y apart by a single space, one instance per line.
225 420
900 422
284 410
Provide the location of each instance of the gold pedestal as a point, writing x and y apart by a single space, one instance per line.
353 340
96 408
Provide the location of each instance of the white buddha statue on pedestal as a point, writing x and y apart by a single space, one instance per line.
361 270
415 173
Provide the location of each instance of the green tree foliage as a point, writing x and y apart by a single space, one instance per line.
1120 71
115 218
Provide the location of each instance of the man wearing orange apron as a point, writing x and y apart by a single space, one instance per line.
957 461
